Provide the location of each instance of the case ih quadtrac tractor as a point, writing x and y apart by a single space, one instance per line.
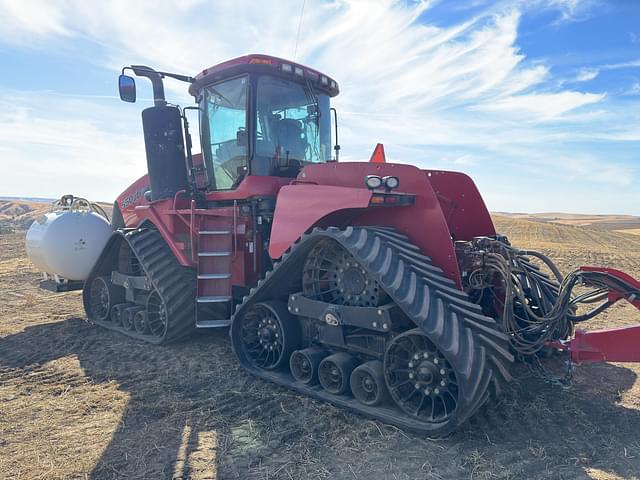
381 288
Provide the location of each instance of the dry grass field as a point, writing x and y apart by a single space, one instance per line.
80 402
595 222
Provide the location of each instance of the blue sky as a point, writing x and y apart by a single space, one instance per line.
538 100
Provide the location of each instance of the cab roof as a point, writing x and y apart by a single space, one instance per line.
258 63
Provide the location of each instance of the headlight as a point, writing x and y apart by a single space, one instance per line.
372 182
391 182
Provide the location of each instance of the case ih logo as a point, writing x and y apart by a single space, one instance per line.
134 197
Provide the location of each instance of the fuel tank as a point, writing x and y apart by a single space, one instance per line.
67 242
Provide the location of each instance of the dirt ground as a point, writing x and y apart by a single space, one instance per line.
80 402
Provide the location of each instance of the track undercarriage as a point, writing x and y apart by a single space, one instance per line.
148 296
360 318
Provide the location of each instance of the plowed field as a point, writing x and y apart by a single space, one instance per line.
77 401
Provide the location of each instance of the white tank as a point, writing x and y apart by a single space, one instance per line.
67 242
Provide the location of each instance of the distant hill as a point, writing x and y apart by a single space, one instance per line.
597 222
29 199
19 213
537 234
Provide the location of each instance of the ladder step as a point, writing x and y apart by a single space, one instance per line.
213 276
213 299
213 323
214 254
215 232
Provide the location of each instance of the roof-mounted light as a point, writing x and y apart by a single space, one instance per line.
333 84
324 81
298 71
286 68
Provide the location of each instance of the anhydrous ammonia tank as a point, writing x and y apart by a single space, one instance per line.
68 241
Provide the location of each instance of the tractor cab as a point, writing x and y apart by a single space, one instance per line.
259 115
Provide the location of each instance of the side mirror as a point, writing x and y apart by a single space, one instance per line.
127 88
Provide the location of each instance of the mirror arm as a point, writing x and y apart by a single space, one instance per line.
156 82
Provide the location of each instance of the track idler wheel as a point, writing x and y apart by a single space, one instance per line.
334 372
118 313
304 364
103 296
269 334
140 323
128 317
368 385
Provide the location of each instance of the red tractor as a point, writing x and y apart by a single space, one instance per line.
381 288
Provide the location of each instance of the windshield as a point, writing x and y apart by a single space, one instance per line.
224 132
293 126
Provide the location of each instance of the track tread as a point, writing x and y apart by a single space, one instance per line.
471 342
176 285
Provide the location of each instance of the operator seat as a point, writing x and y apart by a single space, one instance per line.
291 137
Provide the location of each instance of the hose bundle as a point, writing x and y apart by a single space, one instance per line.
70 202
534 309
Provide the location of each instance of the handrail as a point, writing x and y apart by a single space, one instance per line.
235 229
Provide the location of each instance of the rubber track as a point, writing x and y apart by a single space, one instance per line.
473 344
175 284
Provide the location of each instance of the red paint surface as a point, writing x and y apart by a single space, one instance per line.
133 196
462 205
328 194
300 207
423 222
226 69
251 186
612 345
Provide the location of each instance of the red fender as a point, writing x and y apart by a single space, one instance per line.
334 194
462 205
300 207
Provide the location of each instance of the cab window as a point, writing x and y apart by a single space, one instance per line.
224 132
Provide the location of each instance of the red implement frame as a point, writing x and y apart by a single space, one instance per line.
610 345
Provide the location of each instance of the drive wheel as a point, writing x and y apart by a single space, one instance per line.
103 296
269 335
420 379
331 274
367 383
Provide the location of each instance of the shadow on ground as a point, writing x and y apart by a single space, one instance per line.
192 413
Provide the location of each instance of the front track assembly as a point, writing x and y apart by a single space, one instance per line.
426 360
138 288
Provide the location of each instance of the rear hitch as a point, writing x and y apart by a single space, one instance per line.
607 345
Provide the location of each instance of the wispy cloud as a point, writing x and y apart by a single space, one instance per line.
463 95
634 89
54 145
587 74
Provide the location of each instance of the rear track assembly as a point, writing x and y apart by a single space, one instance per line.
166 313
